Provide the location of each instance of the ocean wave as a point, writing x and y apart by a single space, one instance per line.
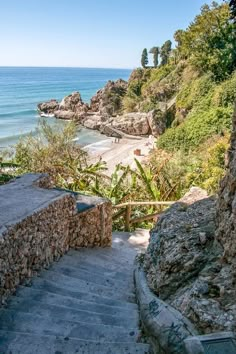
18 113
12 139
100 146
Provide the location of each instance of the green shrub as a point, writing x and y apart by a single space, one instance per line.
209 168
54 151
199 126
192 93
225 94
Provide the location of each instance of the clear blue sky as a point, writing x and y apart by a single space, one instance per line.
88 33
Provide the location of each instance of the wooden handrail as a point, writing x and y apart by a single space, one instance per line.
142 203
144 218
128 210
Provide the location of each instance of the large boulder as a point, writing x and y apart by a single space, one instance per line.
183 264
74 103
93 121
48 107
63 114
132 123
71 102
108 100
136 123
157 122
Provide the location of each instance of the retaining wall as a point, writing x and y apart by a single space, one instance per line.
39 225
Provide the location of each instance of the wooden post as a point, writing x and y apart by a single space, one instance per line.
127 217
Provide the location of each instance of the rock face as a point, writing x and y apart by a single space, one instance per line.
140 123
93 121
184 266
132 123
48 107
107 101
71 107
63 114
226 208
73 103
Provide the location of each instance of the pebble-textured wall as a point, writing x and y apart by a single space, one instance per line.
33 242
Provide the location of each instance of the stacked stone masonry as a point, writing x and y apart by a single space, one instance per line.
37 226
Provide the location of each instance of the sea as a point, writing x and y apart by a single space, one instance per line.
22 88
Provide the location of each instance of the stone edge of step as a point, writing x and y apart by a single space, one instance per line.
159 320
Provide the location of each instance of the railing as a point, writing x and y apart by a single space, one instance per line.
126 210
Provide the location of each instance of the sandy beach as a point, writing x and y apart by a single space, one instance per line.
123 152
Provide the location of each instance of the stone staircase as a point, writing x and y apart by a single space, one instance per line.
84 303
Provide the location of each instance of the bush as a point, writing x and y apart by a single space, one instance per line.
225 94
199 126
210 166
192 93
54 151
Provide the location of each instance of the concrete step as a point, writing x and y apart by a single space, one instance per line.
11 320
95 263
107 255
89 268
68 314
46 285
24 343
100 279
48 298
67 282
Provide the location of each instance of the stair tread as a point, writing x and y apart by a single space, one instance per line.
48 310
89 268
113 255
49 286
71 302
68 282
31 323
101 279
97 263
16 343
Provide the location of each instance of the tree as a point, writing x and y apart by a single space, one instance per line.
209 42
232 5
144 59
165 52
155 51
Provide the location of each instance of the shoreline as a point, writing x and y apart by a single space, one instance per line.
122 152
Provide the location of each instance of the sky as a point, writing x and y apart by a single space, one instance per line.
88 33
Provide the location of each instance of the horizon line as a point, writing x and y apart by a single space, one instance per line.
64 67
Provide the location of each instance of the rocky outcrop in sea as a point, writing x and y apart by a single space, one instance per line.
105 111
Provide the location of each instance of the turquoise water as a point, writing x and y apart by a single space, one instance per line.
21 89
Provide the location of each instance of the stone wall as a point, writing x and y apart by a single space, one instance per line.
39 225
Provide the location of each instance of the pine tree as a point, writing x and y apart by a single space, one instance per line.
232 5
165 52
155 51
144 59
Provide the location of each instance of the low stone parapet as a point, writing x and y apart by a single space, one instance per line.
39 225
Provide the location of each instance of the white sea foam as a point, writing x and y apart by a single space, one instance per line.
99 146
48 115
